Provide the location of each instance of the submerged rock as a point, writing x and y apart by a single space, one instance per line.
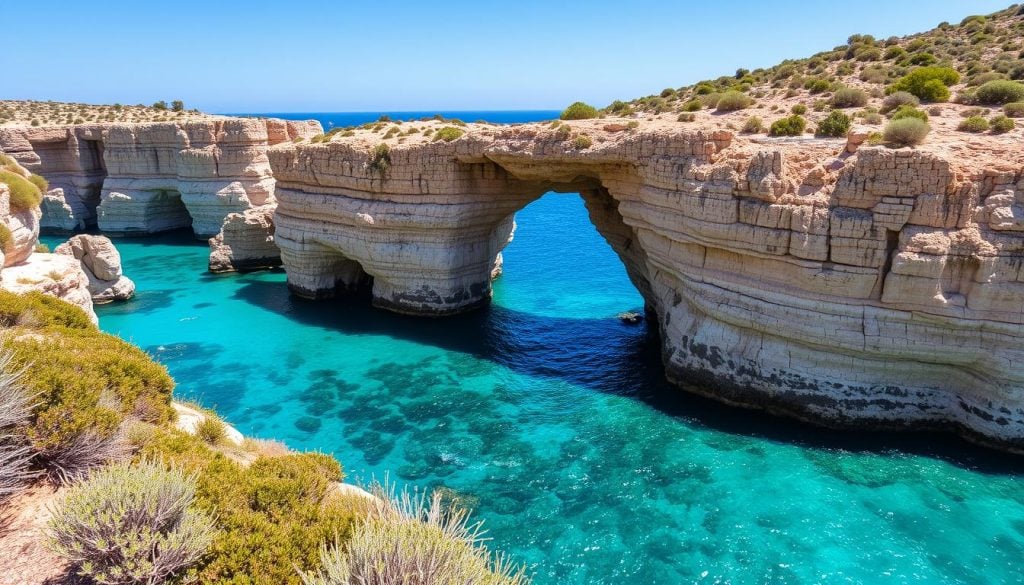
631 317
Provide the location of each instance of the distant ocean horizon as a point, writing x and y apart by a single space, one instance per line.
341 119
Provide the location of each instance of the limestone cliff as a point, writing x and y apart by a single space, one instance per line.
880 288
149 177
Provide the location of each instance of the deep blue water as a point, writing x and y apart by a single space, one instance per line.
341 119
552 418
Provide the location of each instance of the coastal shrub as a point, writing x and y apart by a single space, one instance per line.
271 517
898 98
160 105
798 109
693 106
178 106
836 124
753 125
849 97
686 117
1014 109
86 383
131 524
909 112
24 194
818 85
733 100
906 131
973 124
42 184
211 430
15 412
792 126
448 133
6 238
1002 124
380 161
581 142
930 84
414 535
997 93
579 111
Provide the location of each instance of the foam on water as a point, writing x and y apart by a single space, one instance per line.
551 418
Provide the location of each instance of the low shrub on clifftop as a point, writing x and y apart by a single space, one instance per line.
906 132
999 92
448 133
579 111
973 124
24 194
129 524
792 126
929 84
86 382
836 125
733 100
412 534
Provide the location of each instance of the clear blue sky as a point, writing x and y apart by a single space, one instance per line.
301 56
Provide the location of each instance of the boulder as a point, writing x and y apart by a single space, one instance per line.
101 263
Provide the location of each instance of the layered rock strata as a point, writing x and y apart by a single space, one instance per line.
147 178
880 288
101 263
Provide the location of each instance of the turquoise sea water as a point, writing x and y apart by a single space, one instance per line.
552 419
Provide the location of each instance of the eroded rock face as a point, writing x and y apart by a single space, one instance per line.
101 263
56 275
146 178
881 288
245 242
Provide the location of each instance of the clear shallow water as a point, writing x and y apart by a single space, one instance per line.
552 419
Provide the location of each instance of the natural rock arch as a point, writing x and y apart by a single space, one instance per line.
781 276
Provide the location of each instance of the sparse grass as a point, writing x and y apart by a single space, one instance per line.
1014 109
211 430
909 112
686 117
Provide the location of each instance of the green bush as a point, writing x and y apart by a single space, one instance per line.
86 381
581 142
930 84
24 194
798 109
211 430
753 125
6 238
693 106
733 100
1002 124
579 111
380 161
448 133
272 517
791 126
849 97
414 535
686 117
996 93
42 184
909 112
128 525
1014 109
973 124
836 125
818 85
906 132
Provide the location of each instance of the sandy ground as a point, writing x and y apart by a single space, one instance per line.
24 560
